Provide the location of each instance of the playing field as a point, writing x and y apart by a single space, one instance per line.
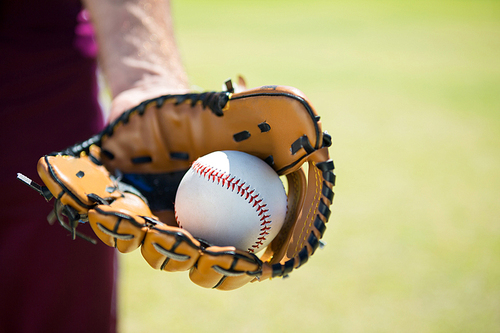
410 92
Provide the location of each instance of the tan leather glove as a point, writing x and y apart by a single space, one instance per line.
123 180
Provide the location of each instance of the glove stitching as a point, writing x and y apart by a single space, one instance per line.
215 101
230 182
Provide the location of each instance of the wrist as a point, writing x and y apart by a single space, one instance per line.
150 86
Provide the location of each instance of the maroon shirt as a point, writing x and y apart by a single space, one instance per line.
48 101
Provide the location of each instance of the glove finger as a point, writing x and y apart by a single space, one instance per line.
70 179
225 268
121 224
170 249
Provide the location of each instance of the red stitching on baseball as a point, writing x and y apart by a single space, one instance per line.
224 180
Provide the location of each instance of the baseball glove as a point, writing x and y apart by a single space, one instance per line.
123 181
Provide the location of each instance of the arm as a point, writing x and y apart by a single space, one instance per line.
137 50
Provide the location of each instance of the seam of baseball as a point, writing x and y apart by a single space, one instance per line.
232 183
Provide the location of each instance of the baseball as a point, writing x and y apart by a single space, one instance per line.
230 198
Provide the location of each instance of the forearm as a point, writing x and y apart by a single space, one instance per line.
137 44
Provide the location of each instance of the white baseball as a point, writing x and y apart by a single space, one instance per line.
230 198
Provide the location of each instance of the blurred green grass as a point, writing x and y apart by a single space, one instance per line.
410 93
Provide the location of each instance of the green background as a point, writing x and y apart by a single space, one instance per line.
409 91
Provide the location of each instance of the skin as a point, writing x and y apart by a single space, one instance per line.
137 50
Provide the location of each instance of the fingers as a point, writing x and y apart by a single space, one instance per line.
174 249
